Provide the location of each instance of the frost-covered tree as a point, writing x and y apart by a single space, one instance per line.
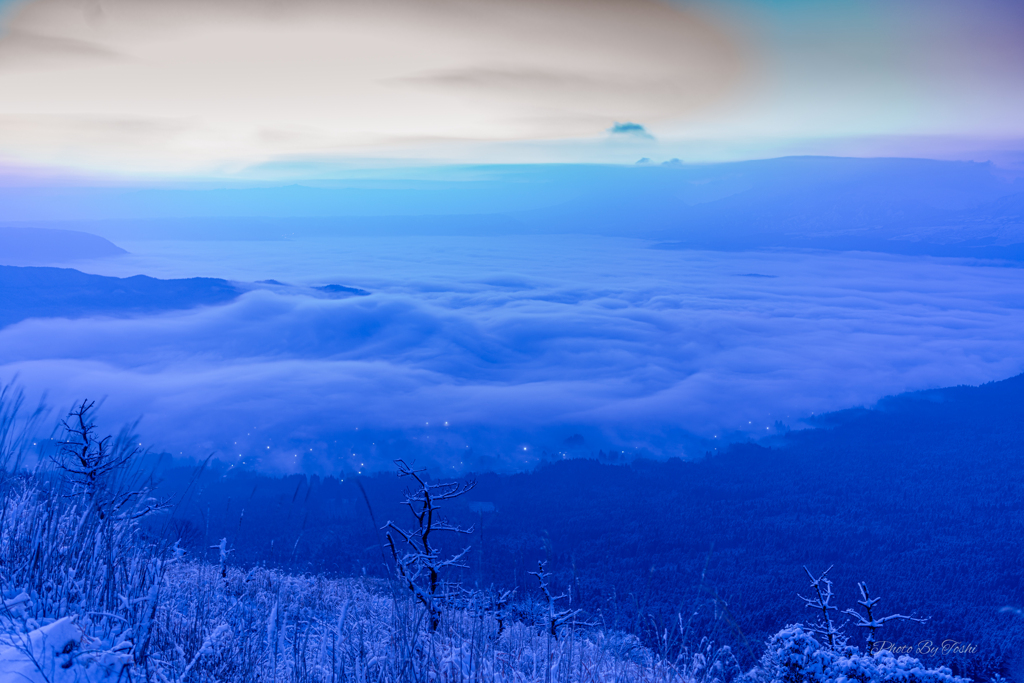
555 618
417 558
90 462
822 601
819 653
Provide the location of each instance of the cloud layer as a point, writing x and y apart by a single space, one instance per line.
518 343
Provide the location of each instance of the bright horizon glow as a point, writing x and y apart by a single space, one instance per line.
231 88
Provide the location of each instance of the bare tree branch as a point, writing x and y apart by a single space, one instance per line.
418 563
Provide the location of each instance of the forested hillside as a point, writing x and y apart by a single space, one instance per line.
887 495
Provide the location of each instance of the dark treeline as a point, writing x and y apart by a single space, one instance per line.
921 498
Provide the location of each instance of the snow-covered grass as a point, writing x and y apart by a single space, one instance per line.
264 625
68 575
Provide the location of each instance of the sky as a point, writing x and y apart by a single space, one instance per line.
226 88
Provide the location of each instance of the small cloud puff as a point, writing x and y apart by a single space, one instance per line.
631 129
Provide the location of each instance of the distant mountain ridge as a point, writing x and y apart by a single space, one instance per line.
23 246
43 292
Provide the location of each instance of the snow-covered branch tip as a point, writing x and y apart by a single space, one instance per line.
870 621
822 601
223 551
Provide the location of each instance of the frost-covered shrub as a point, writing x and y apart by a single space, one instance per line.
793 655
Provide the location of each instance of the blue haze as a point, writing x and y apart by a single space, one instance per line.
655 310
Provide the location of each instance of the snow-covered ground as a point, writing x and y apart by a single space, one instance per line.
59 652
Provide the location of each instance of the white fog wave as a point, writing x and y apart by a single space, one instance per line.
517 343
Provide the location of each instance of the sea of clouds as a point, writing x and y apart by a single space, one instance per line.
477 352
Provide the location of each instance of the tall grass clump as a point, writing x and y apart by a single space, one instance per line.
72 566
